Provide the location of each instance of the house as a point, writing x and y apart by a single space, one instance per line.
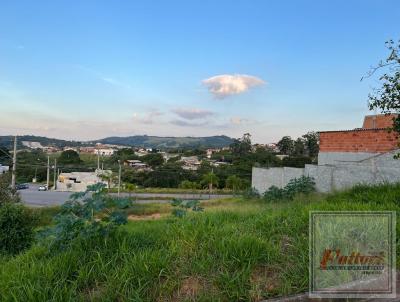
70 148
104 151
358 144
167 156
137 165
346 157
141 152
190 162
4 169
87 149
78 181
209 152
32 145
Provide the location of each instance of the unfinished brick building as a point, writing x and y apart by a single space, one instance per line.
360 143
346 158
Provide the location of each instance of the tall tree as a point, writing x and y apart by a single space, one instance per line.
299 146
286 145
210 179
242 146
387 97
311 141
69 157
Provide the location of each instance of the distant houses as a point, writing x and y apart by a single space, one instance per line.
190 162
104 151
137 165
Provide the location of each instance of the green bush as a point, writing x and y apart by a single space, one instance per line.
187 184
304 185
181 207
251 193
86 215
16 228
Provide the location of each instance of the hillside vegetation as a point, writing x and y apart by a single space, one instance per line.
134 141
169 142
236 250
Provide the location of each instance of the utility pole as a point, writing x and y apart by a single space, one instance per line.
48 172
98 159
14 163
55 174
119 177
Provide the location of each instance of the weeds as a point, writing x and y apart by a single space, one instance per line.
237 250
302 185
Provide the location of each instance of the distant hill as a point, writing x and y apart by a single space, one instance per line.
8 140
169 142
134 141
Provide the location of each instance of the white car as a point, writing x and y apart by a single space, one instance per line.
42 188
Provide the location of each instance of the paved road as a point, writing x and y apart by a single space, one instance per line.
33 197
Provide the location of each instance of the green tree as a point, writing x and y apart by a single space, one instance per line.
5 157
187 184
69 157
7 194
311 141
153 159
123 154
241 146
387 97
286 145
233 182
299 146
31 163
130 188
211 180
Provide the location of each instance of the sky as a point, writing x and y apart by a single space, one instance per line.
85 70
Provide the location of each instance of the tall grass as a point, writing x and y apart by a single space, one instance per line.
237 250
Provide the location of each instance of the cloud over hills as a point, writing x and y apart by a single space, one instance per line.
222 86
192 113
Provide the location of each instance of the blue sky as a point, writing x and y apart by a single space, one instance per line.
90 69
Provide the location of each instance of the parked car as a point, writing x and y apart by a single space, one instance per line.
42 188
22 186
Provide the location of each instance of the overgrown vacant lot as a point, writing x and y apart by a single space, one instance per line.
236 250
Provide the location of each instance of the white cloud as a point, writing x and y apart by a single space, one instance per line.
188 124
237 120
192 113
224 85
148 118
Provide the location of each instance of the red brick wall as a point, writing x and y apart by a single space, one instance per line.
381 121
371 140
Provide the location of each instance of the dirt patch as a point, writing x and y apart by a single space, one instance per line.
93 293
144 217
264 280
190 289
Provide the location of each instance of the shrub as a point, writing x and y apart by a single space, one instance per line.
181 207
251 193
6 193
304 185
16 228
234 182
87 215
274 194
187 184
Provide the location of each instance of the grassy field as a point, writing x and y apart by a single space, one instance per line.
236 250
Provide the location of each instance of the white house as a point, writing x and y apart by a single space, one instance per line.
104 151
190 162
78 181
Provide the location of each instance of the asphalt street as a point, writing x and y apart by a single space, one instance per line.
33 197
